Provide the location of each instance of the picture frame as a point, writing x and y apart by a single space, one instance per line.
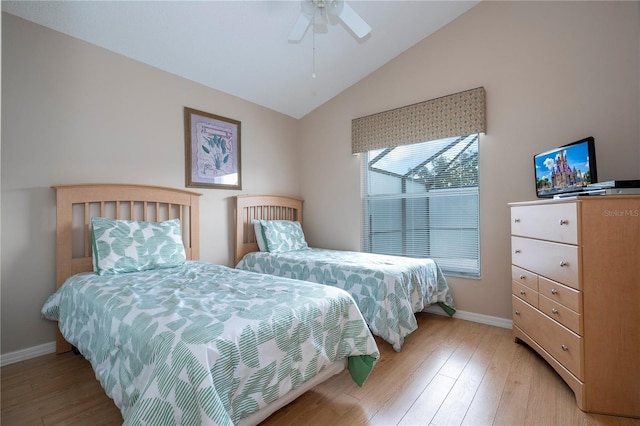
212 150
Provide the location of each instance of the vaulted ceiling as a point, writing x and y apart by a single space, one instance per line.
242 48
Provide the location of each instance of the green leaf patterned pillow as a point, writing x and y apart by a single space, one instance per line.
121 246
283 235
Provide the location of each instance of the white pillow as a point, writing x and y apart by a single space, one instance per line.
257 229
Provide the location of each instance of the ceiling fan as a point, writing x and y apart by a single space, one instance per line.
314 10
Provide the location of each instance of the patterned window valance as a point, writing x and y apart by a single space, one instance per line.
459 114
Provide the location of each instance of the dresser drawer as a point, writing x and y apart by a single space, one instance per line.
553 222
524 277
560 313
559 262
561 343
525 293
567 296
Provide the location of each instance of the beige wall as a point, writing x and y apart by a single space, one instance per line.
73 113
554 72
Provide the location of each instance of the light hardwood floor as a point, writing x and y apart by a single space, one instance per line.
450 372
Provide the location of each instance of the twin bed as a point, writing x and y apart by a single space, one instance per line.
173 340
388 290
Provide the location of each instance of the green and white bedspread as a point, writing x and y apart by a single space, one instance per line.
206 344
387 289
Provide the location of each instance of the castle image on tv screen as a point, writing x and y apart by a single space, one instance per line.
563 170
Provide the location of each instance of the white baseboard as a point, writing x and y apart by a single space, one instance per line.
471 316
24 354
49 348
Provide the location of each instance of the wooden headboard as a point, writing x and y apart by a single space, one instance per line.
76 204
266 207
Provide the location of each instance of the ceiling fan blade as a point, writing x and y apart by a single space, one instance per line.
300 28
352 20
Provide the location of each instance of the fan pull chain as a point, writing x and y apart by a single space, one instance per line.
313 28
314 55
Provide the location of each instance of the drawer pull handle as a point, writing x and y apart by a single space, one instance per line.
564 348
554 291
516 220
563 263
554 311
516 251
517 312
523 277
522 292
564 222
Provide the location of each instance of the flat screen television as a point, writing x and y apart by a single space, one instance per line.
566 169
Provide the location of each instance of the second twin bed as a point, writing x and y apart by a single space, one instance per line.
388 290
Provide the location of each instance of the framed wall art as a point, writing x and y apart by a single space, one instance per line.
212 153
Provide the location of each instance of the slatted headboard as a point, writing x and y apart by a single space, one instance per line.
266 207
76 204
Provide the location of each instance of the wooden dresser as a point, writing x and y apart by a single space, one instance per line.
576 294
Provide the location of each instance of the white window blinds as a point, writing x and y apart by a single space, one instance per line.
422 200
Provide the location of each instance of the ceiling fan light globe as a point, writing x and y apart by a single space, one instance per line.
320 19
335 7
308 8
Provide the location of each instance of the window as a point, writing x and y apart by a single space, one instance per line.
422 200
420 180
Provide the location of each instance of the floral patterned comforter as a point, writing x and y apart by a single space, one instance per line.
206 344
387 289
